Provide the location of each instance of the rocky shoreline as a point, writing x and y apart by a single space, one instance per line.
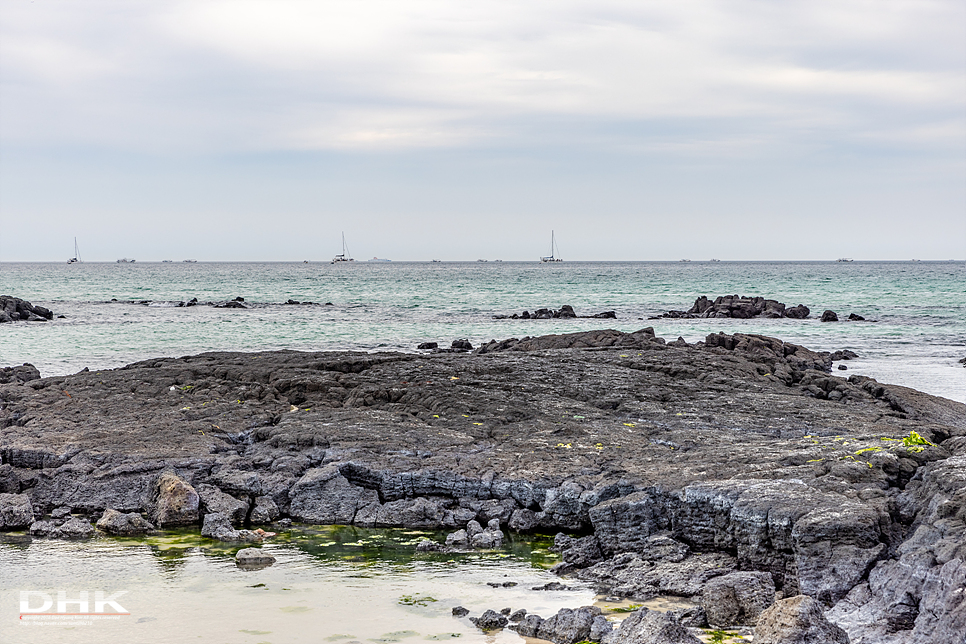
681 469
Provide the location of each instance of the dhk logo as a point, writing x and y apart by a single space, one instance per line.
79 605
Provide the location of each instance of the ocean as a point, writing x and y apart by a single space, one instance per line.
115 314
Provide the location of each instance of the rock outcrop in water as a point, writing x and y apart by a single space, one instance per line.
13 309
680 464
564 312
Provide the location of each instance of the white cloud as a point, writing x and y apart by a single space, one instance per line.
295 74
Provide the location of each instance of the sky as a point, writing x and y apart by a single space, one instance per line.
248 130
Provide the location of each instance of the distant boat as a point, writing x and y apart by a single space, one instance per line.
497 260
377 259
482 260
125 260
553 250
844 259
165 261
190 261
76 259
714 260
684 260
435 261
344 255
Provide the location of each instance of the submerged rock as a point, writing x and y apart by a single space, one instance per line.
253 557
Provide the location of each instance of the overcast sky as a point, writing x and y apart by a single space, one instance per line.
260 130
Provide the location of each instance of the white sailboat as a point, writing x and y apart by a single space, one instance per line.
76 259
553 250
344 256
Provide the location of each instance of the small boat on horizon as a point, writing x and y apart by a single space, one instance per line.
344 255
377 259
125 260
76 259
844 259
553 249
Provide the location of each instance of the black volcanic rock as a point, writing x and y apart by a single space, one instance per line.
681 464
13 309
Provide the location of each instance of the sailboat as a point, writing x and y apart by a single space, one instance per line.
344 256
76 259
553 249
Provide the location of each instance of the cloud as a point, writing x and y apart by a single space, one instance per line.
292 74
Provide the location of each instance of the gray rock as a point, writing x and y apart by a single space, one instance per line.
737 598
214 501
73 528
60 513
217 526
529 626
489 621
428 545
694 616
580 553
797 620
829 316
253 557
117 523
457 539
176 503
488 539
16 512
265 510
652 627
459 611
473 528
413 513
569 626
324 496
42 528
518 615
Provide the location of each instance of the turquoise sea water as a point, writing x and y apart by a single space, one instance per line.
917 337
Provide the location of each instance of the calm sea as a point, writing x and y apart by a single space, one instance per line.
915 336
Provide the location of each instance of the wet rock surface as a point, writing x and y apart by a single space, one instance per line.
672 465
13 309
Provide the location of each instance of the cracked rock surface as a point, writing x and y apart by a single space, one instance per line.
681 462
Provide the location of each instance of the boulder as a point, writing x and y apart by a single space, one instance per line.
73 528
829 316
462 345
854 317
176 502
428 345
652 627
580 553
218 526
797 620
214 501
265 510
253 557
459 611
15 511
458 539
799 312
24 373
570 626
323 496
117 523
490 621
737 598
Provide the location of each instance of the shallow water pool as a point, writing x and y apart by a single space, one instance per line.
329 584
